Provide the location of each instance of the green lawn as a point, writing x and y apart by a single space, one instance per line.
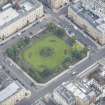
49 55
33 57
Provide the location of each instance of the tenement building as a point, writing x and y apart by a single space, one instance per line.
87 89
14 16
13 94
96 6
90 17
55 3
63 96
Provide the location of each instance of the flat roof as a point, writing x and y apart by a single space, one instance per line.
76 91
8 91
66 94
39 102
101 28
8 15
27 5
88 15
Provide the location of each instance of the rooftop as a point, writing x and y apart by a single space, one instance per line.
10 90
95 78
66 94
39 102
78 91
5 80
93 19
99 73
10 13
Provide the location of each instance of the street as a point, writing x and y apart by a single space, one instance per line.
39 91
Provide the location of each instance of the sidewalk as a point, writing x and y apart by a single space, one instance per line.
89 69
63 17
21 30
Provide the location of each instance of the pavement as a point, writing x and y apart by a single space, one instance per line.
94 57
39 91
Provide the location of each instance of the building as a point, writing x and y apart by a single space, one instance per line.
25 102
88 21
76 92
96 6
55 3
13 94
39 102
87 89
83 93
94 77
63 97
15 16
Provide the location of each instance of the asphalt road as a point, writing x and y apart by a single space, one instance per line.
94 57
81 36
34 29
59 18
41 91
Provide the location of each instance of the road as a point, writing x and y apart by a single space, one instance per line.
81 36
95 54
16 74
34 29
59 18
68 76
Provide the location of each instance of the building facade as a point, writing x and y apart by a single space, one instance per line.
59 3
74 93
63 97
96 6
12 20
87 20
55 3
13 94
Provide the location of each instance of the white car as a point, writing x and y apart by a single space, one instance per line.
19 33
75 27
74 73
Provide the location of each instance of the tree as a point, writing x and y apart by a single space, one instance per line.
84 51
51 27
34 74
12 52
46 72
26 40
76 51
60 32
76 55
73 39
68 59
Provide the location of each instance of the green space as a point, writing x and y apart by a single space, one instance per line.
46 53
47 56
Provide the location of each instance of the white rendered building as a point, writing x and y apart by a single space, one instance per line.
13 94
14 19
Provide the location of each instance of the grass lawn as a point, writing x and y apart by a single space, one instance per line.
49 55
55 56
